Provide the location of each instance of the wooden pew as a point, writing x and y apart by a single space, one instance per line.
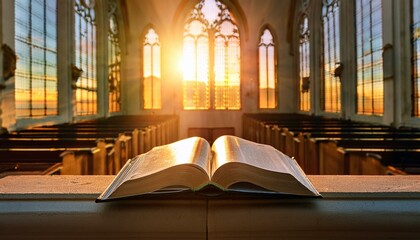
311 143
127 134
38 168
74 161
70 137
91 157
99 150
295 140
295 144
348 157
123 152
120 139
163 132
312 140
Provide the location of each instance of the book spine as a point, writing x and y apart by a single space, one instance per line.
313 189
120 178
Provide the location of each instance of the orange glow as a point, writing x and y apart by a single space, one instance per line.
211 59
151 71
267 72
194 63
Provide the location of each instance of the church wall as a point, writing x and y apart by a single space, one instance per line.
396 52
167 19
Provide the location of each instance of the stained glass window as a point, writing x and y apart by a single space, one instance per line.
304 65
330 85
267 71
85 57
114 61
36 91
370 86
151 71
211 42
415 41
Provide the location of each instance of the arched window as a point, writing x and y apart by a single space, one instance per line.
267 71
415 35
36 91
114 59
211 42
151 71
330 85
304 65
85 57
370 85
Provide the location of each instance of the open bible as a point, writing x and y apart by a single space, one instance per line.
230 164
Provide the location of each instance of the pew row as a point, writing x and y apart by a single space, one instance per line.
93 147
363 148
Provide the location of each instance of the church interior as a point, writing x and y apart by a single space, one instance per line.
87 85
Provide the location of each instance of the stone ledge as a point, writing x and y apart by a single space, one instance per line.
353 207
89 187
371 186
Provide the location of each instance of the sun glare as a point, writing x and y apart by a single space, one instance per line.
187 65
211 58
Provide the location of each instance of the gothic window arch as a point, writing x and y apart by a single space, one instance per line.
114 58
151 70
36 89
369 62
304 65
211 41
330 81
267 70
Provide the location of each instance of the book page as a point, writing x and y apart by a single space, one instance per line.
229 149
193 150
168 168
233 149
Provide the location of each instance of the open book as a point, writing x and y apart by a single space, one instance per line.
231 164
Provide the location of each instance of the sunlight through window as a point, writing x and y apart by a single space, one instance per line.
211 41
151 71
370 85
36 91
267 70
85 50
114 60
331 86
304 66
